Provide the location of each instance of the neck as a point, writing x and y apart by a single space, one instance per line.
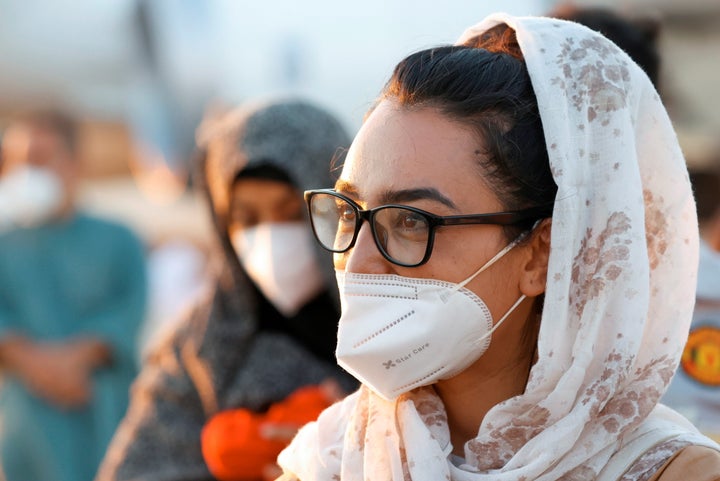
468 401
500 374
320 312
66 213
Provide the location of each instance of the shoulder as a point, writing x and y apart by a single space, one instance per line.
698 463
316 452
207 334
191 328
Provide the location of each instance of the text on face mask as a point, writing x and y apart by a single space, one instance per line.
392 363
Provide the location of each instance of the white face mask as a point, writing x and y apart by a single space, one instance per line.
399 333
280 259
29 196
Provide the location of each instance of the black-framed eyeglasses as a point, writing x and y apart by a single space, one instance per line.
404 235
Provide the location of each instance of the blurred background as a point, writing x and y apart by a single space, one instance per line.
140 74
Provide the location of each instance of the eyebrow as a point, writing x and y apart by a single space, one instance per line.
400 196
345 187
422 193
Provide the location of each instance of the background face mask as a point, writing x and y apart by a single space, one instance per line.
28 196
399 333
280 259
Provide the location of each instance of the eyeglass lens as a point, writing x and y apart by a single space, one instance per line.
402 234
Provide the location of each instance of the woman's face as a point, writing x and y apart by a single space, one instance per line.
422 159
256 201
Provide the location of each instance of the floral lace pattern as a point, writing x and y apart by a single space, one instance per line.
648 464
620 287
595 85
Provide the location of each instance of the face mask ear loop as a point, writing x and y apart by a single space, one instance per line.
497 256
502 319
494 259
445 296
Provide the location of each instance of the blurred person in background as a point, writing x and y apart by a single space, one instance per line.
72 296
231 384
28 197
695 389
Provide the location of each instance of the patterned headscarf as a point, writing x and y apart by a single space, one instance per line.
618 301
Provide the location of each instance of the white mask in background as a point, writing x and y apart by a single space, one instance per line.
281 260
399 333
29 196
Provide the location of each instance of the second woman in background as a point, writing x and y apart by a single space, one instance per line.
270 327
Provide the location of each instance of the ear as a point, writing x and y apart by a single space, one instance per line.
534 270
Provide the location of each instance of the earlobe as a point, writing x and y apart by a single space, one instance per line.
534 271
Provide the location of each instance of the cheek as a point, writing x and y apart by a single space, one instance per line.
458 252
460 257
339 260
499 286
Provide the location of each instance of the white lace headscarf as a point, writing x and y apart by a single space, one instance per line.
618 303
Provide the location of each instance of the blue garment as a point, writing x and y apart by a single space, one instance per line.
81 277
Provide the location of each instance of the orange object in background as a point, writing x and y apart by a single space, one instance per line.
232 444
701 357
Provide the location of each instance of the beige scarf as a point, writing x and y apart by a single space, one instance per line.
620 293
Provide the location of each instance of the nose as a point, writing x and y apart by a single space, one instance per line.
364 257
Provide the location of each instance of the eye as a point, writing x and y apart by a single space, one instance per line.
346 213
407 220
346 217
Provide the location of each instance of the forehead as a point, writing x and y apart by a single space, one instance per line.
399 148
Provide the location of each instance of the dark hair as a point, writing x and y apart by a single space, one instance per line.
637 37
267 170
485 85
706 185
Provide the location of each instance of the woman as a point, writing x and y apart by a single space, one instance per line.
517 302
269 327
